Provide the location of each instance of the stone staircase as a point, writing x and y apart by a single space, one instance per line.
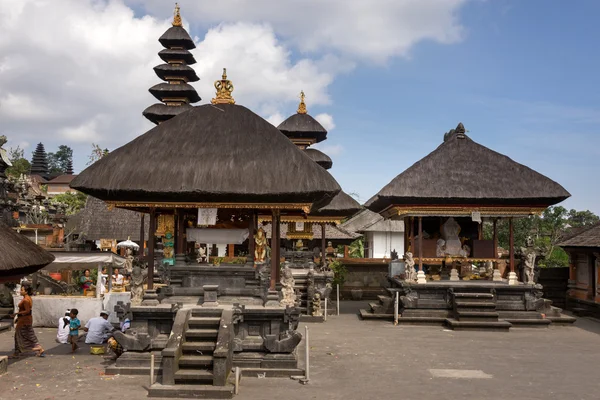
476 311
6 321
193 373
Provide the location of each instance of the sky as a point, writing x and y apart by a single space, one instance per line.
387 78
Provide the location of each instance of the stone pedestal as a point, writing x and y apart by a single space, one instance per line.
150 298
454 275
421 277
272 299
210 295
497 277
512 278
180 260
3 364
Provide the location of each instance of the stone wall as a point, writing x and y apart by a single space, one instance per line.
369 275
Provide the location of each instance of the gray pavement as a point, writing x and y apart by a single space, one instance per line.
353 359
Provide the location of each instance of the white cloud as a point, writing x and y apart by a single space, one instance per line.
332 150
366 30
326 120
276 119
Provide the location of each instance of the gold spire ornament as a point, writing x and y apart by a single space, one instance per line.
302 105
224 88
176 16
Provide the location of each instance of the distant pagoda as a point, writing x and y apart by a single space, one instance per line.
69 170
176 94
39 163
301 128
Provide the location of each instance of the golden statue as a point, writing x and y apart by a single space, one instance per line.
302 105
224 88
260 249
176 16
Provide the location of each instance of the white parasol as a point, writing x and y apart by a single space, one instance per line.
128 243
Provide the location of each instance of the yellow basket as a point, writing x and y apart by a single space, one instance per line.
97 350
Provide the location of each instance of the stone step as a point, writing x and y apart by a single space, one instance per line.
364 314
470 296
202 333
194 375
385 300
204 321
206 312
498 326
195 347
191 391
464 305
5 326
477 315
195 361
529 322
434 321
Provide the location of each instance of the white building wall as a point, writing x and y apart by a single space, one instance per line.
381 244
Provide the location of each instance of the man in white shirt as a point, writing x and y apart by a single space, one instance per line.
62 336
98 329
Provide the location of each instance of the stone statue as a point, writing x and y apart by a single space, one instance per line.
489 268
410 275
450 231
329 251
128 260
299 245
316 305
138 276
288 295
440 250
260 250
465 251
529 268
201 259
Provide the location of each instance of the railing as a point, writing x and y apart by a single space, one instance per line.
223 354
172 352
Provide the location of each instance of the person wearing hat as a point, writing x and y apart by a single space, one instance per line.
62 336
98 329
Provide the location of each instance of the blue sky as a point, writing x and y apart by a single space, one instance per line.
390 76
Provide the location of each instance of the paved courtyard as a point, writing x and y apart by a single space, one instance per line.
352 359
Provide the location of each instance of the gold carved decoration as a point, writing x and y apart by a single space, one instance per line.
305 207
302 105
224 88
166 223
299 218
460 211
176 16
305 233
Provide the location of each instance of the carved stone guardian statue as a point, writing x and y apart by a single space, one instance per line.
316 305
260 250
529 268
410 275
288 295
138 276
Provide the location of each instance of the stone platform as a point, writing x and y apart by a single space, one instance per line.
467 305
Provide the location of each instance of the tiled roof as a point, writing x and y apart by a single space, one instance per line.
587 237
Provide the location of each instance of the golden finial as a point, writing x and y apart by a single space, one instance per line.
176 16
302 106
224 88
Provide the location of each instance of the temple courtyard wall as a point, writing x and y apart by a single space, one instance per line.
352 359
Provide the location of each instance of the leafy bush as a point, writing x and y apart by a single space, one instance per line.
339 271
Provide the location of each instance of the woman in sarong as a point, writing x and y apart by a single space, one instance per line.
25 339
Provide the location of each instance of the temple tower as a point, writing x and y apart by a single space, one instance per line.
176 94
69 170
39 163
301 128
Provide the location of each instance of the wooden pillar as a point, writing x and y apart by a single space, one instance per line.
251 232
231 250
406 238
274 246
180 240
495 238
511 244
480 230
420 243
151 245
323 253
278 248
142 234
411 235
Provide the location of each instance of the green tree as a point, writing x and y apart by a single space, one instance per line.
97 153
57 162
577 219
72 201
20 165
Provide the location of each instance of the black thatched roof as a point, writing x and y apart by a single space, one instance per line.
331 232
166 90
342 205
319 157
177 54
461 171
160 112
368 221
222 153
164 71
588 236
177 36
97 222
303 126
19 256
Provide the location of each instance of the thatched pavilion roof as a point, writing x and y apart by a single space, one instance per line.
319 157
588 236
97 222
211 153
19 256
461 171
332 232
303 125
342 205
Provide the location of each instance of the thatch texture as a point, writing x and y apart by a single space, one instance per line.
303 126
160 112
331 232
177 36
164 71
97 222
177 54
319 157
369 221
223 153
19 256
164 90
461 171
342 205
585 237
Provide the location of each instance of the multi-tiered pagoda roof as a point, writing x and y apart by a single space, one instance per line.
176 94
39 163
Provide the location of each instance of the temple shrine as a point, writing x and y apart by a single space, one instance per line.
451 274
